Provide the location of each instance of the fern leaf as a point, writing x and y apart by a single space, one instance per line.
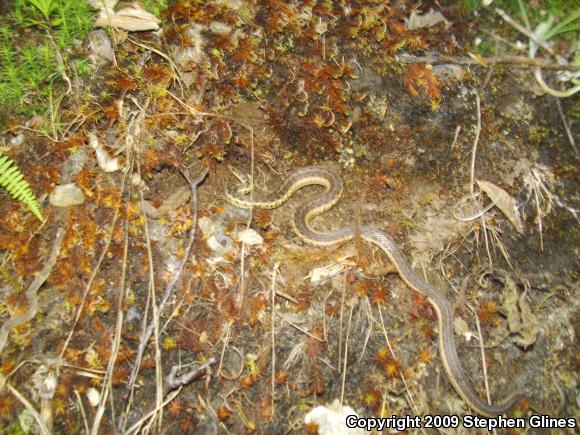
12 179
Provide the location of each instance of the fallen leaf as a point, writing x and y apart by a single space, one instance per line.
504 201
175 200
132 18
106 163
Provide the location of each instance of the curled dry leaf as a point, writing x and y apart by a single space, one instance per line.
132 18
106 163
504 201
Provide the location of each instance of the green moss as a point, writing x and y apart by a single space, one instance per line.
29 71
538 133
156 6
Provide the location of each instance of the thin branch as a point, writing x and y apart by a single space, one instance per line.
475 142
567 128
43 429
273 332
515 61
169 289
173 380
345 355
529 33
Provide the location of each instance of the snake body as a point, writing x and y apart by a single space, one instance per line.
331 181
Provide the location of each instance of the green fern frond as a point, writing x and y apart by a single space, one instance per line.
12 179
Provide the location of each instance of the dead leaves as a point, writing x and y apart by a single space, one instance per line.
504 201
132 18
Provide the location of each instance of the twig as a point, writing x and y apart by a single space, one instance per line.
164 56
475 142
43 429
552 91
82 409
173 380
483 361
530 34
567 128
304 331
133 429
541 43
472 168
248 224
107 384
345 355
457 130
155 321
515 61
273 333
342 299
169 289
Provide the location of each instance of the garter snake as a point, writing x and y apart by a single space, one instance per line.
331 181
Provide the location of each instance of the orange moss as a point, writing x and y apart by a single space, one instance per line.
488 313
421 76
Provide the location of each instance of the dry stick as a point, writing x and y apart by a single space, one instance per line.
340 322
530 34
243 250
173 380
136 426
516 61
481 343
107 383
472 169
196 112
567 128
483 362
273 333
482 348
164 56
156 314
43 429
475 142
82 409
116 341
226 338
345 355
169 289
304 331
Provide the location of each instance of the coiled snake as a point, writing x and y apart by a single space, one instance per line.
330 180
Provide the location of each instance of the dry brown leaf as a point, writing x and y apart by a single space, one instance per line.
106 163
175 200
504 201
132 18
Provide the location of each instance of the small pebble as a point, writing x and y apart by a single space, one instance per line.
66 195
101 46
